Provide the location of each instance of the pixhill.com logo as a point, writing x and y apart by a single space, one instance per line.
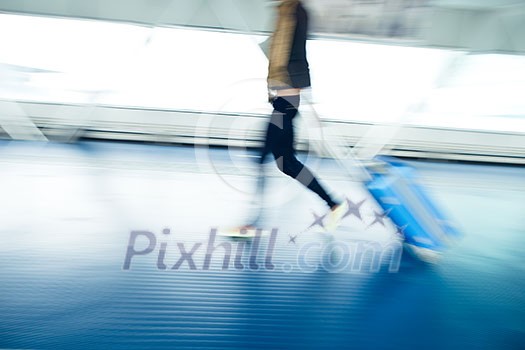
271 252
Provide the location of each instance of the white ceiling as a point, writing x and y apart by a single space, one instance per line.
477 25
229 14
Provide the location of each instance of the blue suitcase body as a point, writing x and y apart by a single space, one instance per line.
424 225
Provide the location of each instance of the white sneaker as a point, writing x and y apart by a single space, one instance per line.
334 217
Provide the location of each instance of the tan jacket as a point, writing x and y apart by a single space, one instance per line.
281 45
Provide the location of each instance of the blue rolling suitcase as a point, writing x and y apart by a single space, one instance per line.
426 228
392 183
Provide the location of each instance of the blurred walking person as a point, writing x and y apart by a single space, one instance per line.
288 73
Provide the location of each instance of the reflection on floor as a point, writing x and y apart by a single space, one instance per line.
69 214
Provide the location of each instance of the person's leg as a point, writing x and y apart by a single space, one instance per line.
270 140
257 206
282 146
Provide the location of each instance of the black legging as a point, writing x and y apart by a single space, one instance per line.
280 142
